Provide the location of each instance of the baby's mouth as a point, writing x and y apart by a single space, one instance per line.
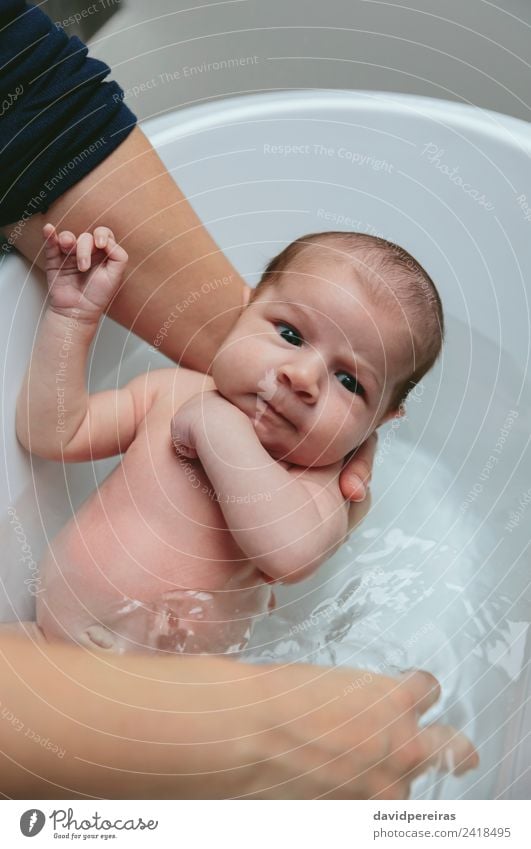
276 413
264 407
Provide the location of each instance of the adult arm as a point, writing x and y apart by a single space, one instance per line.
171 254
71 150
144 726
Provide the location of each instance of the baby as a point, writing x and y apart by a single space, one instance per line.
177 549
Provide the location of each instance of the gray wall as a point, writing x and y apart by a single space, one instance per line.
473 51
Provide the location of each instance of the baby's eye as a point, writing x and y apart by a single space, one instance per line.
289 333
350 383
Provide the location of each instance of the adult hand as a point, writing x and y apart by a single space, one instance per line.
210 728
349 734
357 472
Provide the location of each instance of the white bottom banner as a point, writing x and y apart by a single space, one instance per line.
262 825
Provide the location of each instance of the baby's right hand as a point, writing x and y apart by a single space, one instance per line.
83 274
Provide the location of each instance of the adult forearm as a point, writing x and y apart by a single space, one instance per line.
181 293
53 399
77 724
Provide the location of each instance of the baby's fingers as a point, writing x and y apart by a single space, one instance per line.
52 246
67 241
85 245
56 245
115 253
52 249
49 233
101 237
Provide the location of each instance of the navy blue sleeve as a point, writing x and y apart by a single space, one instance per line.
58 119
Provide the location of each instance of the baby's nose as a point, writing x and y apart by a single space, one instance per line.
302 378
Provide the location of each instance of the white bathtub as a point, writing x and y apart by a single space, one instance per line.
440 572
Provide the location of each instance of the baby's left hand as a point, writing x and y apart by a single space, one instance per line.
83 273
191 418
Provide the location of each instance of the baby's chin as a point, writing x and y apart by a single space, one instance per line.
289 448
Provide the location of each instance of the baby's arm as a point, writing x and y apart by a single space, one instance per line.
56 418
287 527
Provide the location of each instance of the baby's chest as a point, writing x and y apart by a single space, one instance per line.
165 504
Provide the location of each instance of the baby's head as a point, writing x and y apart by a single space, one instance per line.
338 331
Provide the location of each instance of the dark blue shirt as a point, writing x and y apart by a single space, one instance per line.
58 119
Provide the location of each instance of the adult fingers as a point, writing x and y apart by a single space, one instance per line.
447 749
357 511
419 689
356 474
436 747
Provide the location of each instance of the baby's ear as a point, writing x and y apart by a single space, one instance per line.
397 413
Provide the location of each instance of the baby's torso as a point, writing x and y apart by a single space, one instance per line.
150 546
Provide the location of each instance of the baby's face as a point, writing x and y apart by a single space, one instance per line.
314 363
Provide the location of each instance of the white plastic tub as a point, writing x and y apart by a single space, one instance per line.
439 576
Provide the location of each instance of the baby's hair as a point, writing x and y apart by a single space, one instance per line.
392 277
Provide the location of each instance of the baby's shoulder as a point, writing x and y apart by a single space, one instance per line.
195 381
178 385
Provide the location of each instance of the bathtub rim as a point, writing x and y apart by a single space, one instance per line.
294 103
